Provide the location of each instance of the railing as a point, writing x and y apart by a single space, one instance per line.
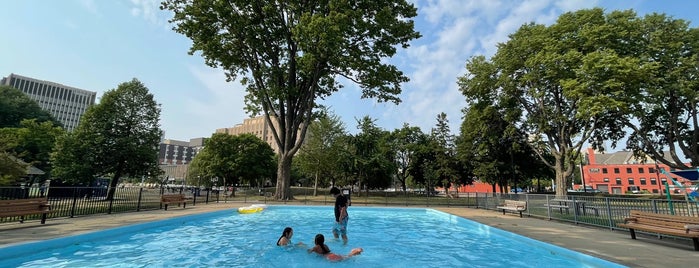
599 211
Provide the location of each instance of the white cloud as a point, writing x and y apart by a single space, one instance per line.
454 31
150 11
90 6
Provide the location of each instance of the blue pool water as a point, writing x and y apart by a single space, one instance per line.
391 237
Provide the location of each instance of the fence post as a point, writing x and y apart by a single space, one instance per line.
609 212
575 210
111 201
75 200
196 192
140 195
548 207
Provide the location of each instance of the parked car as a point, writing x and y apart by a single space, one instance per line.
516 190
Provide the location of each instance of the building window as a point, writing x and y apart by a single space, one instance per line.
663 180
606 179
628 170
640 170
651 170
604 170
618 181
643 181
616 170
631 181
653 182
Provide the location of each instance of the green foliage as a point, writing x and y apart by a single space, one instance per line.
321 155
36 141
371 158
404 141
11 170
117 137
447 168
232 160
666 108
565 84
289 54
16 106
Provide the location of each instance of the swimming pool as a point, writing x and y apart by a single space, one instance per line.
391 237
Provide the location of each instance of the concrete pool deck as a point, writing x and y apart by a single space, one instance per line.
615 246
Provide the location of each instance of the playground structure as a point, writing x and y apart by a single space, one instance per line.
691 192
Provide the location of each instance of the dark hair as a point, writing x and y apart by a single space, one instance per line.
320 241
285 233
334 190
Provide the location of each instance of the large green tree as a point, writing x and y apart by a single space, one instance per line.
35 142
371 156
447 167
11 170
666 114
16 106
233 159
405 142
118 137
320 156
290 53
570 82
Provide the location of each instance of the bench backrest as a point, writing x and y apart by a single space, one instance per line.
663 220
172 197
23 204
514 203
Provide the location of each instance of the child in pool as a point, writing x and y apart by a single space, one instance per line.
285 239
322 249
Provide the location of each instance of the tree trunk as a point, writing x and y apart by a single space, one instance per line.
560 177
112 185
284 178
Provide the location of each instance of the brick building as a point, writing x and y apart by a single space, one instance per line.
622 173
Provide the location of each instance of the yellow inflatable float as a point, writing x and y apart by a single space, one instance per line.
252 209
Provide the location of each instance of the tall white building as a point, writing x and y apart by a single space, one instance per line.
67 104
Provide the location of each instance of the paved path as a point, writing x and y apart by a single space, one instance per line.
615 246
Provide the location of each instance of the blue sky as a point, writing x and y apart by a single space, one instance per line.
96 45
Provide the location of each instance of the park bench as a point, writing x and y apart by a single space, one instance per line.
514 206
24 207
178 199
682 226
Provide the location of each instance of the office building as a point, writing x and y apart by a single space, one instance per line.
67 104
257 126
175 156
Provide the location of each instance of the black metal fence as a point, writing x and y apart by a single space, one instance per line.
601 211
76 201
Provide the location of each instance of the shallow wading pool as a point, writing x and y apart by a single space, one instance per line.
391 237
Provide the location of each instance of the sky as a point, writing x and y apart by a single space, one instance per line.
96 45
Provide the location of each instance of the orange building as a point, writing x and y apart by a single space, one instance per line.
478 187
622 173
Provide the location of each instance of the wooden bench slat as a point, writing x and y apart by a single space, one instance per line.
166 199
25 207
513 205
682 226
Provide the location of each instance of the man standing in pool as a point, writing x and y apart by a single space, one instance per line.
341 216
